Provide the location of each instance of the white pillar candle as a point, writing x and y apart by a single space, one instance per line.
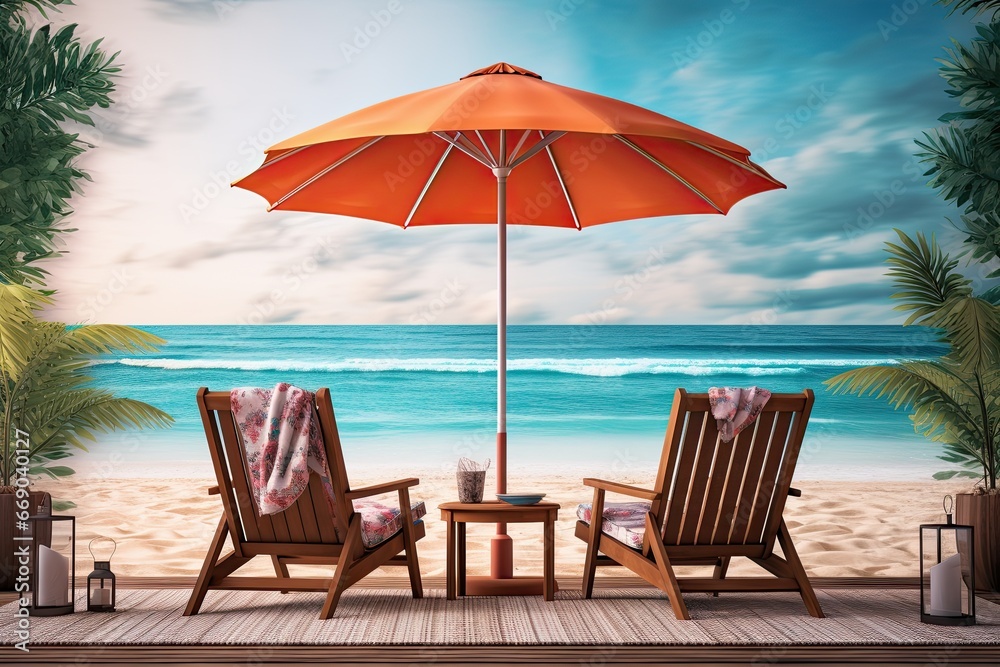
100 597
946 587
53 578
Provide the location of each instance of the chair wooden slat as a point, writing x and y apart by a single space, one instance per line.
325 520
293 519
694 427
217 451
768 478
238 479
671 449
699 482
733 483
718 476
307 517
786 471
751 477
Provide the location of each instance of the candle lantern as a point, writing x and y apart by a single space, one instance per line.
52 562
101 582
947 572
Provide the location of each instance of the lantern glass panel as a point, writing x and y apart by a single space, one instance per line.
946 575
52 581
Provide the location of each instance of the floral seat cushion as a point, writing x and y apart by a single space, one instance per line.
380 522
626 522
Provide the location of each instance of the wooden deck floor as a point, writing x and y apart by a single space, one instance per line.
952 656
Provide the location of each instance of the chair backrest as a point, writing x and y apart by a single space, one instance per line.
309 519
728 493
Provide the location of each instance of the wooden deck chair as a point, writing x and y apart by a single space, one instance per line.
711 501
306 533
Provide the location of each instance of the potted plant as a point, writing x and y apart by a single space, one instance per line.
955 399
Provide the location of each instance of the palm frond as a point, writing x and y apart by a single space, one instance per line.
973 329
925 276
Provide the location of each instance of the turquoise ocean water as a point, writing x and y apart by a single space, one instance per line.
591 398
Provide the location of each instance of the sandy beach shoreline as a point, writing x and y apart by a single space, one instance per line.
163 526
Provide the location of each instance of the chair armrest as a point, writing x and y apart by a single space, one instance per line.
379 489
214 490
795 492
625 489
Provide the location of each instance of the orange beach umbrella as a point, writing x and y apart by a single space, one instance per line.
501 146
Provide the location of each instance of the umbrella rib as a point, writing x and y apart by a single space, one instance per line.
486 147
545 141
562 184
748 166
323 172
281 157
427 186
517 148
649 156
474 153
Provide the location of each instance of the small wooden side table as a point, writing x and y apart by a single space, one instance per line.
456 515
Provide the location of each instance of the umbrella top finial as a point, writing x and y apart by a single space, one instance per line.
502 68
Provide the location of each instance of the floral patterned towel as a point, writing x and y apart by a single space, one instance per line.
626 522
734 409
283 442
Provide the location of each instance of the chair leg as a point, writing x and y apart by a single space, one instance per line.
590 564
670 585
207 568
720 571
352 544
798 571
280 569
412 562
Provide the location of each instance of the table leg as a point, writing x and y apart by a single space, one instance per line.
461 558
549 550
450 567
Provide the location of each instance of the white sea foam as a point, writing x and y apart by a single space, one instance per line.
612 367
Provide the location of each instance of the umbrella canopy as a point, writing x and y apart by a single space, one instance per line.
503 146
580 159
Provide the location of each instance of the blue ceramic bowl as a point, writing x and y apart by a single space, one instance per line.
520 498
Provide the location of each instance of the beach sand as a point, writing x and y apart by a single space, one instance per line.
163 526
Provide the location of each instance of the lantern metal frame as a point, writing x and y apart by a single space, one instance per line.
102 572
937 529
36 537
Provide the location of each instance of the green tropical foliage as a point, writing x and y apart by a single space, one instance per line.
44 388
964 156
47 77
955 400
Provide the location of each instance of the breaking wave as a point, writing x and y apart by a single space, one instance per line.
615 367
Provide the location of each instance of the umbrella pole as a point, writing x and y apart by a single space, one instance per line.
502 580
501 546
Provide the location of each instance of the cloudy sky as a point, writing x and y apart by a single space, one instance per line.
828 96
